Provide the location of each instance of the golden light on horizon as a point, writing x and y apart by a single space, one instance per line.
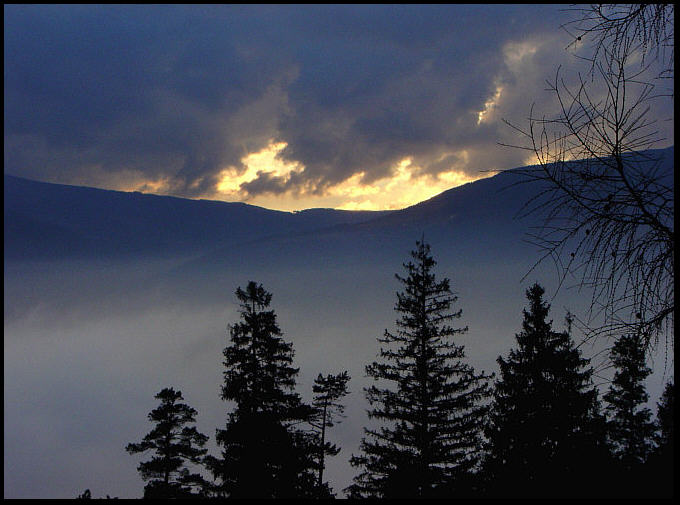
405 186
137 182
264 160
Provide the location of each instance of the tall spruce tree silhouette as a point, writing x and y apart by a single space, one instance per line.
432 415
174 444
546 433
265 454
630 428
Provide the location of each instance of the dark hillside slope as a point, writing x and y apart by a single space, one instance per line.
45 220
55 221
479 226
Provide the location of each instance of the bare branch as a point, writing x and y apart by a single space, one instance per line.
606 201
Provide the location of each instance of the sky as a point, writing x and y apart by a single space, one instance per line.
287 107
366 107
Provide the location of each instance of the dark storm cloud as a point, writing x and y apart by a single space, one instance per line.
96 93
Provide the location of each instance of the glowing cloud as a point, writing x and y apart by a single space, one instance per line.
407 184
263 161
489 105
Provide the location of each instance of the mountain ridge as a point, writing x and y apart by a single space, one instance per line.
46 220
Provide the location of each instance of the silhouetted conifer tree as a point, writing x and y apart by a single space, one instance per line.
328 390
665 424
630 428
546 432
174 444
87 495
265 454
432 416
661 464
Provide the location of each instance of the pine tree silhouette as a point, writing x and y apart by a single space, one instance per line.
174 444
328 390
665 424
660 468
430 438
87 495
546 432
630 428
265 454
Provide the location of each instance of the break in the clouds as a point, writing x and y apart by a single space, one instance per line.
283 106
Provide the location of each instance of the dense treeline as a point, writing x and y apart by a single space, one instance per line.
438 429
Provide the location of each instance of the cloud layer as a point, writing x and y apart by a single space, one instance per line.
171 99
